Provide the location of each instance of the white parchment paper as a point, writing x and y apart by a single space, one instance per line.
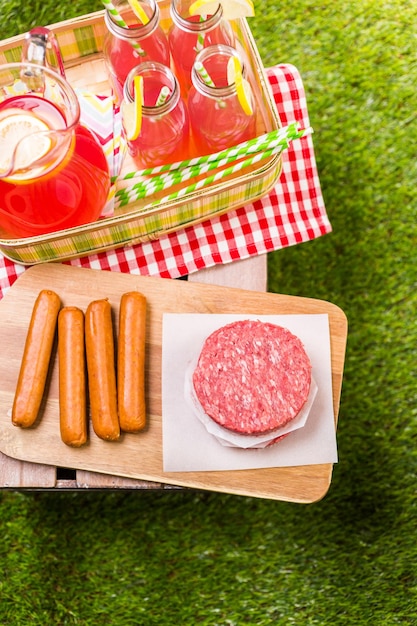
188 446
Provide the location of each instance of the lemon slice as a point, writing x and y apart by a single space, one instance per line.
21 138
132 111
243 88
139 11
232 9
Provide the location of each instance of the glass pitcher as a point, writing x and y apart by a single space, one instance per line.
53 172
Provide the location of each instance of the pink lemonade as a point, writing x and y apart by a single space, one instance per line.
216 115
188 36
165 131
66 187
125 48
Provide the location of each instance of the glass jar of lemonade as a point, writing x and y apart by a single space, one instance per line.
164 129
221 105
191 33
132 38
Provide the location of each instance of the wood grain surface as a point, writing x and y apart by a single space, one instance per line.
140 455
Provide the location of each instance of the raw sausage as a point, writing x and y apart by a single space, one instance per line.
131 362
36 359
101 370
72 377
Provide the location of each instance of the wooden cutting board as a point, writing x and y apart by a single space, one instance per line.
140 455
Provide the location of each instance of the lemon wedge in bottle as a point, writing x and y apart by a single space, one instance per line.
139 11
243 88
232 9
132 111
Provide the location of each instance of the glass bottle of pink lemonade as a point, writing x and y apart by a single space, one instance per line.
190 34
165 129
218 120
131 40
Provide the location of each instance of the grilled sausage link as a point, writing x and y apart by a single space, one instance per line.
72 377
131 362
36 359
101 370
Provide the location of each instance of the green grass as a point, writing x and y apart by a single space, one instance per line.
185 558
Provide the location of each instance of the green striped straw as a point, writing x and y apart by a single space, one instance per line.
163 182
126 198
163 96
200 69
206 78
180 176
201 36
109 6
256 144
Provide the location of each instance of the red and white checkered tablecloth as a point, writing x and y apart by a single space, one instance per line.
293 212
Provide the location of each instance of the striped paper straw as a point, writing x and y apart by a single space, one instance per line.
240 150
127 197
163 182
180 176
109 6
206 78
201 36
163 96
200 69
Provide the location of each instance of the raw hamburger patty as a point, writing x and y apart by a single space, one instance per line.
252 377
